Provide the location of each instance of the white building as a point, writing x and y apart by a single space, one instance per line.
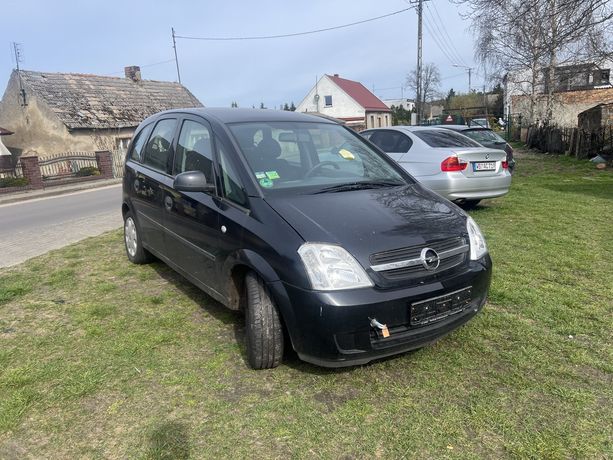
407 104
346 100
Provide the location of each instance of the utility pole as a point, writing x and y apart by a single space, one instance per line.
470 69
420 12
174 45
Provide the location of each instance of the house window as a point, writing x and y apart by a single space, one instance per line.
605 74
328 101
379 121
121 143
372 121
386 123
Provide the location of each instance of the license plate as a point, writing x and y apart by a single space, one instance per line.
484 166
437 308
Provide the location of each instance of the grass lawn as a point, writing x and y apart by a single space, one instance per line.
103 359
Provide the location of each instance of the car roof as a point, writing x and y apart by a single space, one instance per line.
410 128
237 115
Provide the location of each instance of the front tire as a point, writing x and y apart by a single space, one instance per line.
135 251
263 324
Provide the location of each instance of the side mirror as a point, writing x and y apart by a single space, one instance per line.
192 181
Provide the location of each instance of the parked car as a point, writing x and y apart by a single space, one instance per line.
487 138
327 245
449 163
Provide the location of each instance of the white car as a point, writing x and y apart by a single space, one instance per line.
445 161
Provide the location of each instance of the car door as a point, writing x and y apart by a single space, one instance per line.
191 219
394 143
149 179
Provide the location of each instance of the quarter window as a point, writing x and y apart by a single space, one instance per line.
139 143
194 150
232 186
158 153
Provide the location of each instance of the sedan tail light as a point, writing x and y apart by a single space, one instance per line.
453 164
505 164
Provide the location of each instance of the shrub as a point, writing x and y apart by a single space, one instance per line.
88 171
13 182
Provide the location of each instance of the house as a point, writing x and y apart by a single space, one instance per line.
58 112
576 88
5 156
346 100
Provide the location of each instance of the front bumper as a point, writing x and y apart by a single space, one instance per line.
333 329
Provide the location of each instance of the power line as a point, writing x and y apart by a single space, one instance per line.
443 29
295 34
437 42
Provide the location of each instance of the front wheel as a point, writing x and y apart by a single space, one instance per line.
263 324
137 254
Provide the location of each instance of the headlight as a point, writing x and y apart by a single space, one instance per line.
332 268
478 248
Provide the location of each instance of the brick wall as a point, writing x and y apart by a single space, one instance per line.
566 107
105 164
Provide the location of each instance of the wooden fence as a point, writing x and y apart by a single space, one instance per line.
571 141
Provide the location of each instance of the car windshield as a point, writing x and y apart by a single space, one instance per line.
444 138
483 135
311 157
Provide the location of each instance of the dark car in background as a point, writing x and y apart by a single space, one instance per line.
487 138
327 245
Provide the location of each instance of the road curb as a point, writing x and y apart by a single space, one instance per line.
55 191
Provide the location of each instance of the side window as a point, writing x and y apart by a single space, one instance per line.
194 150
391 141
139 142
366 134
158 153
231 184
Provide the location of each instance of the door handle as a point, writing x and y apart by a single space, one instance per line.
223 229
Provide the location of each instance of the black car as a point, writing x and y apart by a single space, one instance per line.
487 138
327 245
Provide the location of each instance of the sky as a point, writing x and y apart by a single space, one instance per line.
103 37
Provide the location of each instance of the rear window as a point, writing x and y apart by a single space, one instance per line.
444 138
483 135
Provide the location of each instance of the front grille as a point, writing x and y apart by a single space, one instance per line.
414 252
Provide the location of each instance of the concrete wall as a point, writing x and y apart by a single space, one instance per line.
378 119
39 131
566 107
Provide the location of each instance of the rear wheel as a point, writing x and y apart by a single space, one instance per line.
263 324
137 254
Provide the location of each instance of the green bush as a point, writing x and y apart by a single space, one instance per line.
88 171
13 182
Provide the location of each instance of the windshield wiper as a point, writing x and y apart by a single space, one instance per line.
359 186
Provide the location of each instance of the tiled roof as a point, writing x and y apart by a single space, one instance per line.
360 94
93 101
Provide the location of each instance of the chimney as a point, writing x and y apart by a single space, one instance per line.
336 75
132 72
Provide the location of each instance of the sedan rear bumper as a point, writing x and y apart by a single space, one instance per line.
455 186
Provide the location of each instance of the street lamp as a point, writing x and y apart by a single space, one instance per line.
470 69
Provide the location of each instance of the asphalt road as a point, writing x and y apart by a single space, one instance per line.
34 227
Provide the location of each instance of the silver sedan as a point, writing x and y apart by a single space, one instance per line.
445 161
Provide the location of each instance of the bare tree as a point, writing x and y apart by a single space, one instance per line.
430 81
531 38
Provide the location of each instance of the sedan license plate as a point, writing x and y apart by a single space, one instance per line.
484 166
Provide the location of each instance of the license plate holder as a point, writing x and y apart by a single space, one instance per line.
437 308
479 166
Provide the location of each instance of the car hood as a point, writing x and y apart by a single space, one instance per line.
374 220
